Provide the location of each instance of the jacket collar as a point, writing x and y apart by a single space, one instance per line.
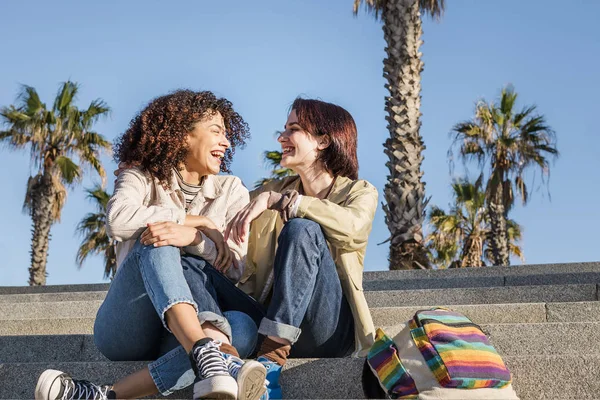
210 188
339 184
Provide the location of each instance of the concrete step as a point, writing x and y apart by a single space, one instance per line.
51 309
52 297
586 311
77 317
59 326
516 275
390 298
90 287
537 274
512 271
510 340
482 281
488 295
535 377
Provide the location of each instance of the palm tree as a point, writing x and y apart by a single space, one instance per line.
506 143
93 229
404 191
461 237
54 136
273 158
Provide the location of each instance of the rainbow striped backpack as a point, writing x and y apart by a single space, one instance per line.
438 354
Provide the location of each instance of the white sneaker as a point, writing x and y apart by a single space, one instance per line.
214 380
250 376
56 385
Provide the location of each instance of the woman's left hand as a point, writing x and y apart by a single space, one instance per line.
238 228
170 234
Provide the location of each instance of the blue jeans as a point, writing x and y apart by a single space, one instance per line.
307 305
130 323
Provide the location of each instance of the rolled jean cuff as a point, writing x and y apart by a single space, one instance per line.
173 303
217 321
155 368
277 329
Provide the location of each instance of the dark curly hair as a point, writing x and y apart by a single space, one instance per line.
156 138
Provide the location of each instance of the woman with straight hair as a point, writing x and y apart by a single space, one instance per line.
307 238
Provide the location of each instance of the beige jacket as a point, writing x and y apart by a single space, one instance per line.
346 217
139 199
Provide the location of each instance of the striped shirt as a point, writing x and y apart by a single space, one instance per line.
189 191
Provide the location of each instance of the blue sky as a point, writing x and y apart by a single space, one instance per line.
261 55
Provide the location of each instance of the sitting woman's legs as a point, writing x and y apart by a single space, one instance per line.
150 294
172 371
308 309
229 297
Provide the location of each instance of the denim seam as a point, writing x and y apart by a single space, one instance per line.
211 317
157 380
299 298
269 327
173 303
154 366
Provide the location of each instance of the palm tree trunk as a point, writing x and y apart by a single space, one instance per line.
404 191
41 215
498 230
472 252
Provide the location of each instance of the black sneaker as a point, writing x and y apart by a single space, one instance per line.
56 385
214 380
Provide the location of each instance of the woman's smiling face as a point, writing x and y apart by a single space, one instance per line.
207 144
299 149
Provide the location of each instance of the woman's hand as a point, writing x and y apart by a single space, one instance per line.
239 226
170 234
225 256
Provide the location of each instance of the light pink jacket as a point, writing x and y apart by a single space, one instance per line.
140 199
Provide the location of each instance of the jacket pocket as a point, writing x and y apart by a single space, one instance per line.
457 351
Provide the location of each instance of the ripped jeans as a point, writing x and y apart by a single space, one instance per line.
130 323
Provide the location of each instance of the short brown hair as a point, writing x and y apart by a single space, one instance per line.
320 118
156 140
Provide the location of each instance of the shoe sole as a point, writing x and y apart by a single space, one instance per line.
251 381
217 387
45 388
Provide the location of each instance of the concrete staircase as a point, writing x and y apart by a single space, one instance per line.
543 319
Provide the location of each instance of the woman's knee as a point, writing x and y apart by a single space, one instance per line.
117 344
298 228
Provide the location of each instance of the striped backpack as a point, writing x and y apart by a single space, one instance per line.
438 354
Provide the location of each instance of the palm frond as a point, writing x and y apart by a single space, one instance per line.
505 144
60 198
433 8
97 108
14 139
32 187
69 171
93 230
272 158
63 103
98 196
30 100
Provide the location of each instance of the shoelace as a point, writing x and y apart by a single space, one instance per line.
82 390
234 364
210 360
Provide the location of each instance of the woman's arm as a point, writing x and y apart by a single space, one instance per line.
127 216
237 198
345 226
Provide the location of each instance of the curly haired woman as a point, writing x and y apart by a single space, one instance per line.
161 304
